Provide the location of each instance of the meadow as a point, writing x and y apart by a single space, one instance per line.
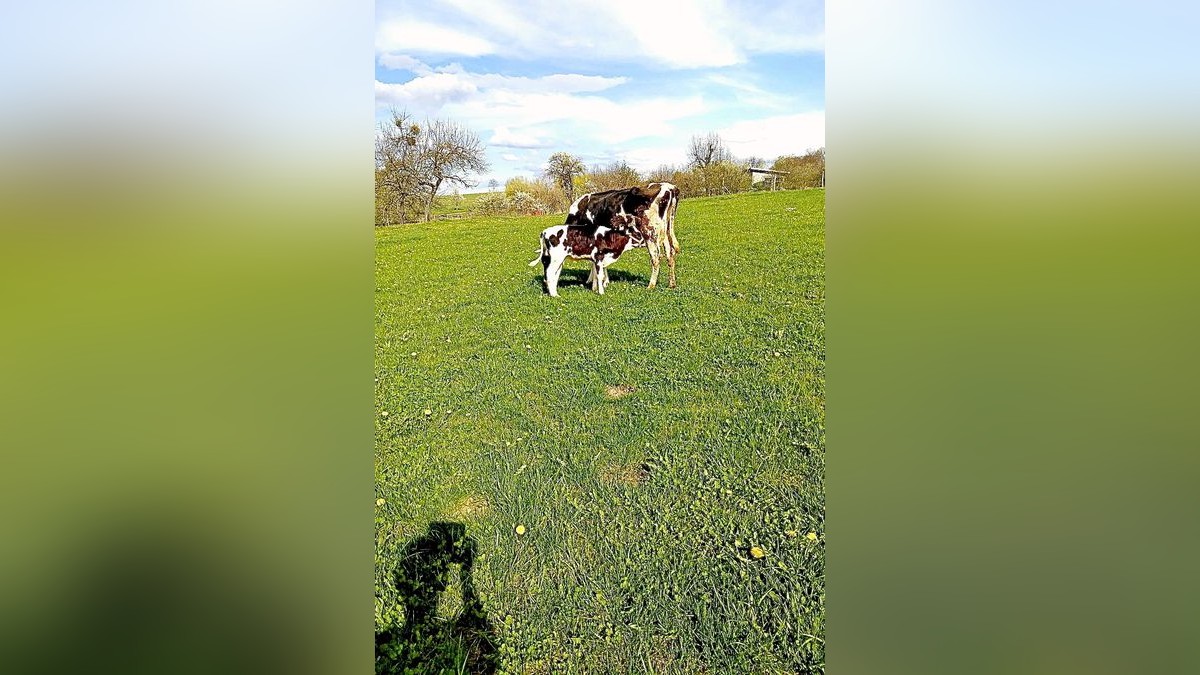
631 482
449 207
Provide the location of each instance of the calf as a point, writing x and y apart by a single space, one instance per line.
601 244
652 209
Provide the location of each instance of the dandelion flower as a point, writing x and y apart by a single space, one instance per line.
791 533
520 530
383 414
380 502
812 536
428 411
757 552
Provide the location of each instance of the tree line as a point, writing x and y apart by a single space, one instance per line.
414 161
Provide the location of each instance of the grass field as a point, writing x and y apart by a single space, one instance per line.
661 451
447 206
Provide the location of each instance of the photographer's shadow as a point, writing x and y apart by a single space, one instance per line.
426 642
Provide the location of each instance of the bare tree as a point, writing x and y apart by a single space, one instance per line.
562 169
450 154
493 185
413 162
397 176
706 151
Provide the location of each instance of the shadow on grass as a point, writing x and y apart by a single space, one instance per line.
579 277
426 643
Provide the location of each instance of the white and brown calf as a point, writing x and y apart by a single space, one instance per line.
599 244
652 209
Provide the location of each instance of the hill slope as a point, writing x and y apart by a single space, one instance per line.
662 450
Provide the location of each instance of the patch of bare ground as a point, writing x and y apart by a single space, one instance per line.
632 475
615 391
468 508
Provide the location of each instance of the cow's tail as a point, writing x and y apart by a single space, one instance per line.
541 253
671 221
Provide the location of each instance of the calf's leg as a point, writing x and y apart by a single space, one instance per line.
553 269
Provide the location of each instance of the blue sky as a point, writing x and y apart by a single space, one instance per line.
607 80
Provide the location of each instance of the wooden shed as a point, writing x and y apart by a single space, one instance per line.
758 175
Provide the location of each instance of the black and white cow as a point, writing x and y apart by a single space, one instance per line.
653 210
600 244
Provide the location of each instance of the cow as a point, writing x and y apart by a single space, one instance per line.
600 244
653 208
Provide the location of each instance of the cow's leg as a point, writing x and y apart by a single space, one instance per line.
652 247
671 231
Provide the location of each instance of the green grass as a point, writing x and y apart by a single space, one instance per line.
455 207
641 505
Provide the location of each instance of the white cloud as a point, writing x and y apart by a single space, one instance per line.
509 157
573 116
517 110
669 33
564 83
677 33
559 82
403 62
778 27
774 136
432 88
432 91
650 158
410 35
505 138
572 82
749 93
